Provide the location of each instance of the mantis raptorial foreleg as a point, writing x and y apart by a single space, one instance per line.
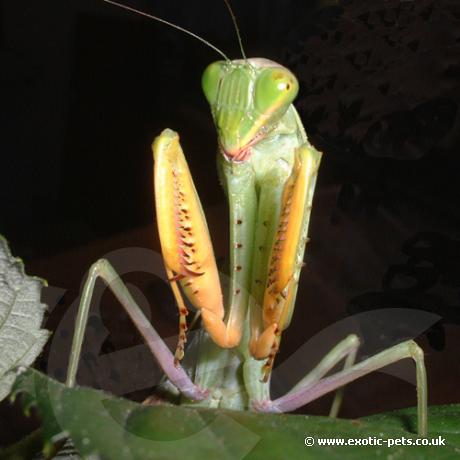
309 389
186 244
269 210
287 244
102 269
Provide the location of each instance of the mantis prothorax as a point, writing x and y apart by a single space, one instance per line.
268 169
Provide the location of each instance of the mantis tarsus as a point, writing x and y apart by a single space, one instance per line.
268 169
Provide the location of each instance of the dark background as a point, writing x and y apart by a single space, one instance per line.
85 87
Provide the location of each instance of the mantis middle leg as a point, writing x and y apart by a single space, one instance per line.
176 374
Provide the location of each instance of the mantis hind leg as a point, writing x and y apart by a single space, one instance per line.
313 386
176 374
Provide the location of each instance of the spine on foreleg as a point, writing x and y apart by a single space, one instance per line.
186 243
286 255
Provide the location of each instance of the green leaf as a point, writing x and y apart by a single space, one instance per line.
113 428
21 317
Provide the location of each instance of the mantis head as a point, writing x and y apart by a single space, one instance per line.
247 99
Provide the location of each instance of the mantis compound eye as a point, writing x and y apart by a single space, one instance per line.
275 89
210 81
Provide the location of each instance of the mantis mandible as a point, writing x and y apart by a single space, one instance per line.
268 169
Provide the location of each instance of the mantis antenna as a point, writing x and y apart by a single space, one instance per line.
237 29
170 24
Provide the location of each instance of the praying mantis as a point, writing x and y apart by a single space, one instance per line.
268 169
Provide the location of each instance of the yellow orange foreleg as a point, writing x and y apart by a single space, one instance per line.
186 244
286 256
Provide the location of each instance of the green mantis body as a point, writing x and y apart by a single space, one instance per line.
268 170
